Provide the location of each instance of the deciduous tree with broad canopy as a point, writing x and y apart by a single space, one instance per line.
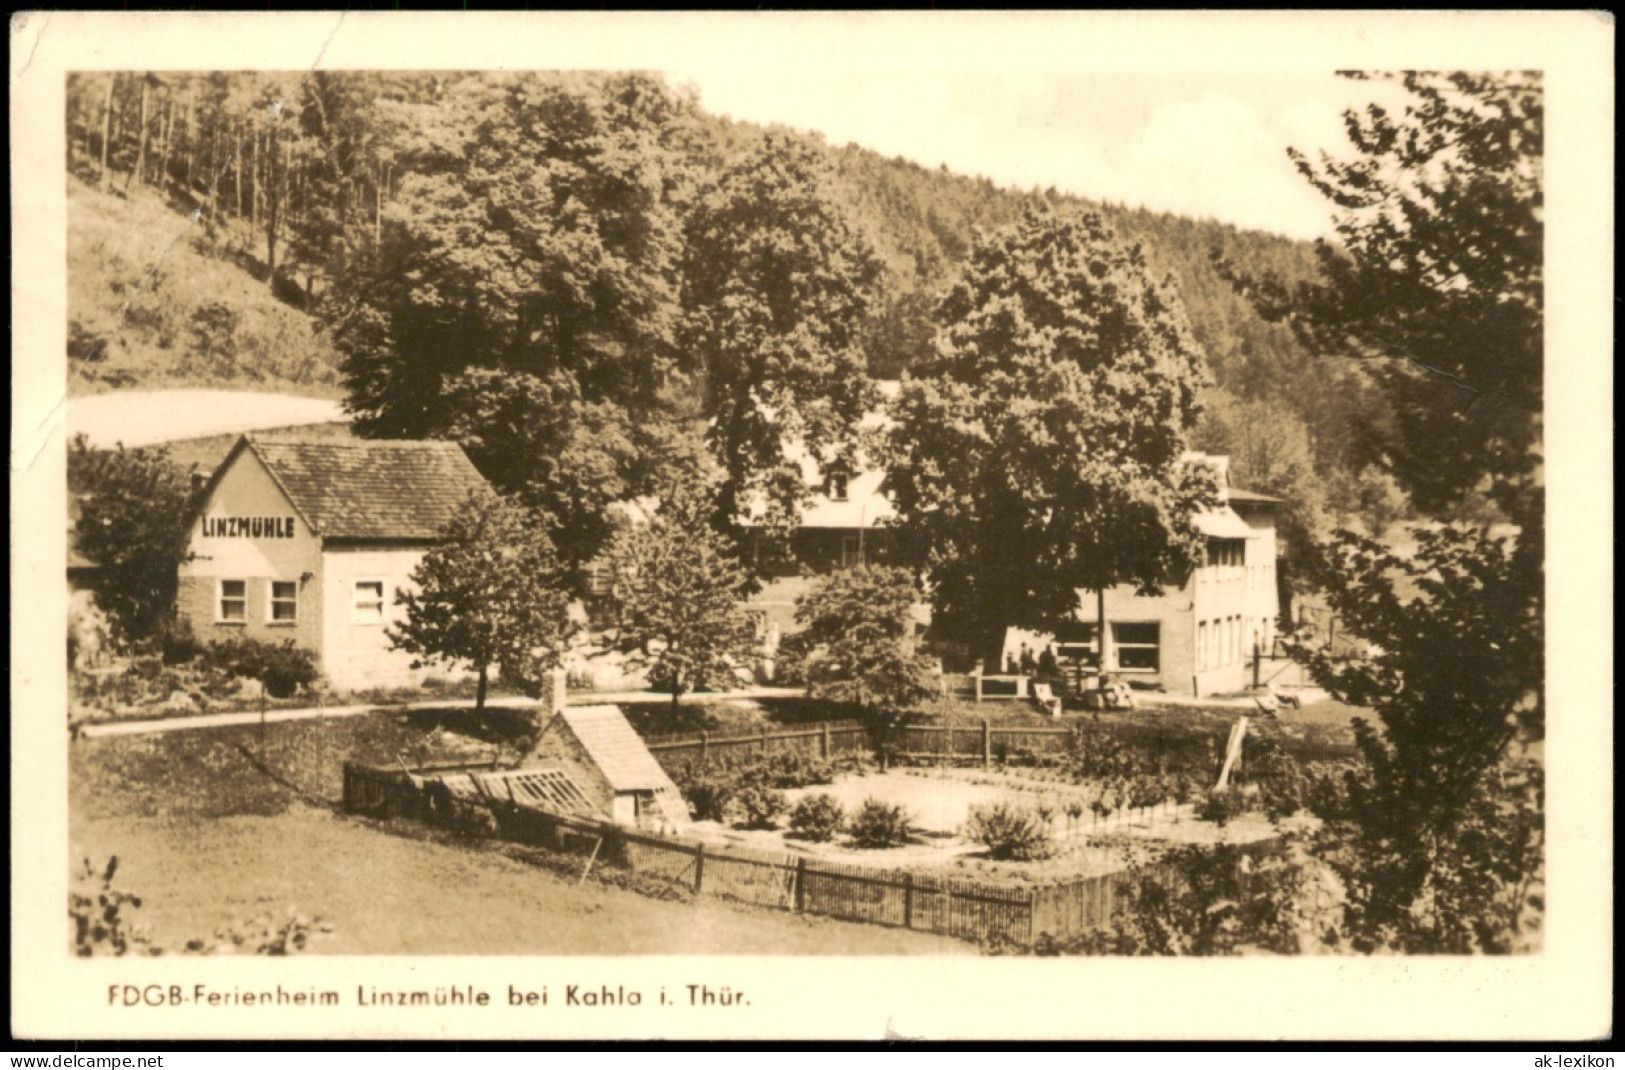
133 523
861 629
490 594
778 291
523 298
678 594
1039 451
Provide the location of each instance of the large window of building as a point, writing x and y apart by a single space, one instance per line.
284 602
835 486
1075 645
232 605
367 605
1226 553
1137 645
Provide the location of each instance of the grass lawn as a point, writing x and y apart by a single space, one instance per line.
150 324
216 826
387 890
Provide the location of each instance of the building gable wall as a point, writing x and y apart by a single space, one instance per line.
247 531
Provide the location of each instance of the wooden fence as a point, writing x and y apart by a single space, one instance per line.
949 906
985 744
964 743
823 739
979 743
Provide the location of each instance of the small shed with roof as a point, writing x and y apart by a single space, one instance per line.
612 766
311 540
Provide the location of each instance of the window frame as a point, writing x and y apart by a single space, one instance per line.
1119 645
838 486
851 551
220 600
272 601
382 603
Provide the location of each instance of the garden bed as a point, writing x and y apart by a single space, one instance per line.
941 801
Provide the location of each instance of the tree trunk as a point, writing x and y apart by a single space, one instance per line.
88 127
254 166
107 125
1103 636
135 174
190 129
479 695
237 183
169 136
272 208
214 173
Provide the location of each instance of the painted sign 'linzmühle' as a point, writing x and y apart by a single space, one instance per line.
247 527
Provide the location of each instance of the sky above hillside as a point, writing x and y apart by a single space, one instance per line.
1202 145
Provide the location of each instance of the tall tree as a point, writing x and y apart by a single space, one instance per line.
1438 287
527 277
678 594
1039 452
1436 283
489 595
861 625
532 232
133 522
778 291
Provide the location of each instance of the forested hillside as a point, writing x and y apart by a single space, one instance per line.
252 228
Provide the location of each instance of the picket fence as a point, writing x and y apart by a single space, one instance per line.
968 910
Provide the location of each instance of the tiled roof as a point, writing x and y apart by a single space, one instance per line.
204 454
371 489
618 751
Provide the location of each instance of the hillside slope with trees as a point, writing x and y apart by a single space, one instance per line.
220 225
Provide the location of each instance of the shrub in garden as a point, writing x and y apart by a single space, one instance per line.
1104 804
879 825
1010 832
288 668
177 644
757 806
1281 784
851 763
1220 805
817 818
1097 754
283 668
1146 792
790 769
707 796
1326 788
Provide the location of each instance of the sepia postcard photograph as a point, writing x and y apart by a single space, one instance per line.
812 526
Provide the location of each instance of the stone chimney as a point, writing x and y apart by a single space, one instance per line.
555 693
